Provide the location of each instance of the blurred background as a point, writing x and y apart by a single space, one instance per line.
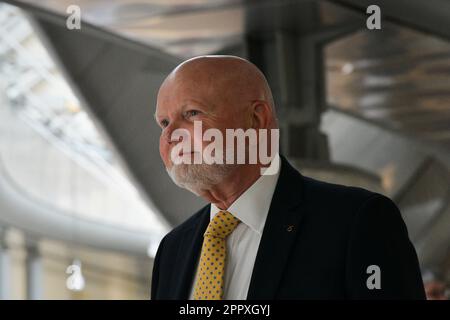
84 197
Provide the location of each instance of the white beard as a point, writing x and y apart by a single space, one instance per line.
198 177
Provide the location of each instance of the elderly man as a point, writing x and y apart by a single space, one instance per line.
266 236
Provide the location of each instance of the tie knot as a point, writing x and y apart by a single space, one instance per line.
222 225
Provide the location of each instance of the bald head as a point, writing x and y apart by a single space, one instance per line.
228 80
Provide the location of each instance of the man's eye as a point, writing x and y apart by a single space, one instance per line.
192 113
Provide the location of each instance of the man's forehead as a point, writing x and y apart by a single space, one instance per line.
177 87
169 94
175 95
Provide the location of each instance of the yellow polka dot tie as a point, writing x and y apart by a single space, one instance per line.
210 275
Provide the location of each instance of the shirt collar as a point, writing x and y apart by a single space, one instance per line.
253 205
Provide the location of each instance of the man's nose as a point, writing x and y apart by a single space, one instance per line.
168 135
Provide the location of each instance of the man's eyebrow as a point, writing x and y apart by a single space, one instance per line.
183 107
194 104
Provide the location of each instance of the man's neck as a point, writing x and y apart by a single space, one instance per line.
226 192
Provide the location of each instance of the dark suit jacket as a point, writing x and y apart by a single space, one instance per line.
336 232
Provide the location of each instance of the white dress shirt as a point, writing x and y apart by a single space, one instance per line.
242 244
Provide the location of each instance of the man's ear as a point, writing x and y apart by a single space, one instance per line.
261 114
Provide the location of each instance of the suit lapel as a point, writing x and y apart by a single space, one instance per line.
188 254
280 231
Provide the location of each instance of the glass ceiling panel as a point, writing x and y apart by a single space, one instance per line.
49 144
